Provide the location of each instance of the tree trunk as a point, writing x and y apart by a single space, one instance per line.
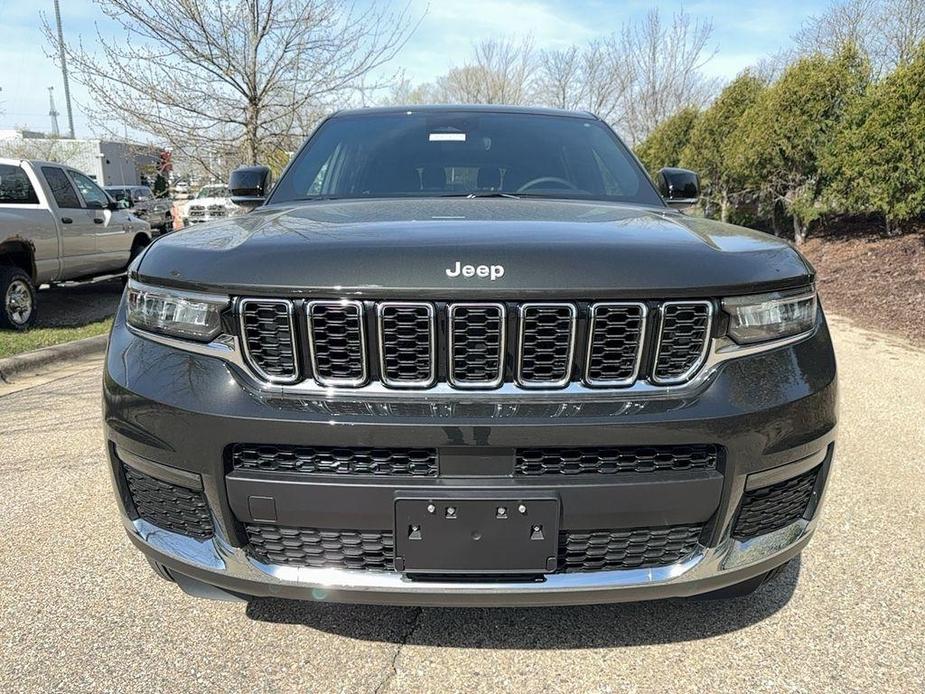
724 208
799 231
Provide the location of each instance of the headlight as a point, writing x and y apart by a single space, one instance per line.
172 312
763 317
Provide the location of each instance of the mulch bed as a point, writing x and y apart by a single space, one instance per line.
876 281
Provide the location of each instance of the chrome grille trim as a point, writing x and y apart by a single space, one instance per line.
570 356
361 315
432 341
616 383
502 347
251 362
687 375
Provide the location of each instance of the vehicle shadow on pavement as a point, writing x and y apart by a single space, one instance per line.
593 626
71 305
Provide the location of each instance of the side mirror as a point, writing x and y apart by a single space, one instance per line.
249 185
680 188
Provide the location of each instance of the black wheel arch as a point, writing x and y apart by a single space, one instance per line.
19 253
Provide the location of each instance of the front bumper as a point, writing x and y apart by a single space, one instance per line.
773 415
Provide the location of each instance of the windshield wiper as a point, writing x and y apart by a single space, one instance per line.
485 194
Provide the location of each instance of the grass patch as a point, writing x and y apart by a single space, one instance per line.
15 343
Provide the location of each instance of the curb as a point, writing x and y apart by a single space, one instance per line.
36 359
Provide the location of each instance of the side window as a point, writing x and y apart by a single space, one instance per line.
92 194
141 194
61 189
15 187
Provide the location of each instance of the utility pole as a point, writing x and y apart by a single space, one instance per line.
67 89
53 112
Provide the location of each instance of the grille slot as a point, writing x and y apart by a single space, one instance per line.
337 339
773 507
417 462
684 338
615 343
582 461
636 548
547 344
169 506
476 345
407 344
320 548
268 338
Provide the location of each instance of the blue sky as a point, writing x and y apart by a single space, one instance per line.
743 33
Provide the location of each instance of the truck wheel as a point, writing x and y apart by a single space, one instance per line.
19 305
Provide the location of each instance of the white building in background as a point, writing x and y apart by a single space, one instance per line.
108 163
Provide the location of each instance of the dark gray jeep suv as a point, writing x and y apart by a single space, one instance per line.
469 355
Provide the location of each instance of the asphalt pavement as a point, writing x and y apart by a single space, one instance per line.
81 610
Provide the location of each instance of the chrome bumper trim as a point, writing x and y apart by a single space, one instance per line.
218 557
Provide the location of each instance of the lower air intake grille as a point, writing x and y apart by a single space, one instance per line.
343 549
337 340
771 508
327 460
407 335
682 346
268 338
168 506
579 461
547 333
637 548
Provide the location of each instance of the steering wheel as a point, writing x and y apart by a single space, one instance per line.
546 179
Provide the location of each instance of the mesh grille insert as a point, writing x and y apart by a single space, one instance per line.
636 548
168 506
546 342
477 344
337 339
597 460
615 345
320 548
418 462
407 350
771 508
268 338
685 332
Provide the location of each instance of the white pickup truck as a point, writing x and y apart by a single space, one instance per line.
57 224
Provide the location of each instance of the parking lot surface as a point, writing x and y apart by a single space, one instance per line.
81 610
78 303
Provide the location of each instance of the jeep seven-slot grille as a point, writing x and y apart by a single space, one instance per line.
168 506
268 339
609 460
338 343
476 351
547 338
615 343
683 340
374 550
407 334
773 507
328 460
480 345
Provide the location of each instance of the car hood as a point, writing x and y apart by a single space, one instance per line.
381 248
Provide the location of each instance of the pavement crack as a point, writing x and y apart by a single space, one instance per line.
405 637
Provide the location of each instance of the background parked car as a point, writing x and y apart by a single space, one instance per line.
211 202
57 224
157 212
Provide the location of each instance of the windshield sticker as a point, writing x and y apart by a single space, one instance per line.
447 137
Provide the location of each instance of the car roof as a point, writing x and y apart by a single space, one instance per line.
465 108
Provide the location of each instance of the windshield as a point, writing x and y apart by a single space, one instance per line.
465 154
212 192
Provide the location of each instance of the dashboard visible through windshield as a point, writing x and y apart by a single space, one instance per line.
464 154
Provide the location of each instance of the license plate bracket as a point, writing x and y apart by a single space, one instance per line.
479 534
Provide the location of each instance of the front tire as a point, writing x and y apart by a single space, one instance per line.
18 300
